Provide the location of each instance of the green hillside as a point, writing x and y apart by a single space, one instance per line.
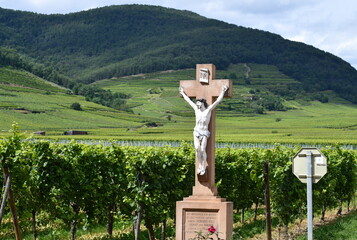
130 39
11 78
38 105
305 121
160 114
131 58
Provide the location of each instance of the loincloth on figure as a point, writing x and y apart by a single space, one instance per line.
201 133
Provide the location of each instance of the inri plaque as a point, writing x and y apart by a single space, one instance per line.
204 75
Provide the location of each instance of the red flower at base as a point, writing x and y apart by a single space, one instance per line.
211 229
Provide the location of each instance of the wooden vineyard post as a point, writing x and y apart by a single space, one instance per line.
267 200
12 207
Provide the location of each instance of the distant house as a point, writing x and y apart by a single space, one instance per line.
75 132
42 133
250 97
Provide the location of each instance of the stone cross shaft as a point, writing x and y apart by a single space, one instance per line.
205 86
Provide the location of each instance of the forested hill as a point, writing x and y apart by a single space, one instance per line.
128 39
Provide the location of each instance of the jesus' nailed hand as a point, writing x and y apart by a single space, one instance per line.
201 132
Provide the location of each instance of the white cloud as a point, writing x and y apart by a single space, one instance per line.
40 3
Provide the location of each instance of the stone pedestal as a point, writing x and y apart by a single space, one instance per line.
196 214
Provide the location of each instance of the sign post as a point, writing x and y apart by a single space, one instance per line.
309 165
309 194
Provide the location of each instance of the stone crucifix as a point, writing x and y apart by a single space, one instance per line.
208 93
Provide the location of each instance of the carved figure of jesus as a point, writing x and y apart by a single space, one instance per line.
201 132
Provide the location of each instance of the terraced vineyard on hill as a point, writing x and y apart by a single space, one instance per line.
158 113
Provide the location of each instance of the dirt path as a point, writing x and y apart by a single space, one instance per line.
248 70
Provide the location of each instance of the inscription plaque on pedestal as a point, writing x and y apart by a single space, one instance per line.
199 221
197 213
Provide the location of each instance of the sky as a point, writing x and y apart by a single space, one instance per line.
329 25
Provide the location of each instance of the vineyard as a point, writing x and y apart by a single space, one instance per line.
157 113
78 186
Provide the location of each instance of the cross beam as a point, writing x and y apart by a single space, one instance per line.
207 87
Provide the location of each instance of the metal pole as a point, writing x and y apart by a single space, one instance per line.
309 195
267 200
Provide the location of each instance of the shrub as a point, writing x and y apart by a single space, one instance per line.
76 106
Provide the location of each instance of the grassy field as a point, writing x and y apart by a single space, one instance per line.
37 105
343 228
156 95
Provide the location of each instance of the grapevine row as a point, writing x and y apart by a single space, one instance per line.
84 184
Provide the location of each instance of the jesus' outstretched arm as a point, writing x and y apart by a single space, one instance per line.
219 99
187 99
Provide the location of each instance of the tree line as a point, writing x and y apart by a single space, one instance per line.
81 184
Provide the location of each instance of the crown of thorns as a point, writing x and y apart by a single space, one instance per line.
202 100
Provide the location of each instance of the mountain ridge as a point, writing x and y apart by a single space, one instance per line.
128 39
